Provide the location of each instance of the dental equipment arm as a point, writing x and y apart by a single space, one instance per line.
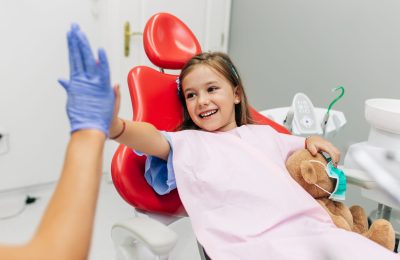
383 167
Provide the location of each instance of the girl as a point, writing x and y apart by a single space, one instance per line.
231 174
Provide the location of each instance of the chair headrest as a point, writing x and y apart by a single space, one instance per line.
168 42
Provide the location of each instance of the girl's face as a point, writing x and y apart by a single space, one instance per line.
210 99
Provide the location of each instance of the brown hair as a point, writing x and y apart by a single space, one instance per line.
222 64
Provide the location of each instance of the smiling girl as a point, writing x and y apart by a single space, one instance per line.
231 174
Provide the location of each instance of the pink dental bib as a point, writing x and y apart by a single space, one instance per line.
244 205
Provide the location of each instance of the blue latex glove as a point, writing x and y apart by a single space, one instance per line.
90 101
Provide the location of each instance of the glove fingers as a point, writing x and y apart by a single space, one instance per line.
75 60
88 59
64 83
90 97
104 67
75 27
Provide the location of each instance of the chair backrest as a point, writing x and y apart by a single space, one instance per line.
168 43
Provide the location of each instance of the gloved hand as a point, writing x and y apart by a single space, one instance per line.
90 101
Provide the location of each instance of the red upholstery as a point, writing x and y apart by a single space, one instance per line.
262 120
155 100
168 42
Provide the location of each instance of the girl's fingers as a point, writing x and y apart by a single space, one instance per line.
313 150
333 152
117 103
335 156
317 144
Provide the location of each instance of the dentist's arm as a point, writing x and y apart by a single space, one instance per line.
66 227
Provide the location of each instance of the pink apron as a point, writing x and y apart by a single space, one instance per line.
244 205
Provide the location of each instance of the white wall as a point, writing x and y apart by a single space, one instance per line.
311 46
33 54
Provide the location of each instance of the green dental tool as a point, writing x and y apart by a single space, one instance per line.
326 117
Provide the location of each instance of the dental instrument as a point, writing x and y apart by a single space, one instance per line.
302 118
326 116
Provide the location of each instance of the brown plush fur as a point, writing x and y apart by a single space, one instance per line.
354 219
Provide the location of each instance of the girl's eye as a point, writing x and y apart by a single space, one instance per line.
212 89
189 95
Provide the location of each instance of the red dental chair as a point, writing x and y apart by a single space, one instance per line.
168 43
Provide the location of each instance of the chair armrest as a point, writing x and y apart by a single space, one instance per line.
157 237
359 178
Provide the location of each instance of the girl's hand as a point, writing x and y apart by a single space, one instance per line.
315 143
116 123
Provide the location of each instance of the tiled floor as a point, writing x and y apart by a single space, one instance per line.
110 209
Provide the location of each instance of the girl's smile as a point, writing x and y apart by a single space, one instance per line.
210 99
208 113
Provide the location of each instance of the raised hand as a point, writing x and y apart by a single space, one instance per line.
316 144
90 101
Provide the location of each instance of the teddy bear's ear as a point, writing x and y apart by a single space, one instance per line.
308 172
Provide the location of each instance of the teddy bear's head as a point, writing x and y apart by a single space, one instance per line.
304 170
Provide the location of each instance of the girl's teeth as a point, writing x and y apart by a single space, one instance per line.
208 113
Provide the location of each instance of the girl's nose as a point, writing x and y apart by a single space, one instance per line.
203 100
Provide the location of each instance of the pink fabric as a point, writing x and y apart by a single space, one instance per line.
244 205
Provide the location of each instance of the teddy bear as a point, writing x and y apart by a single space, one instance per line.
303 168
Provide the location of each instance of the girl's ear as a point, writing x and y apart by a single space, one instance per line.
237 95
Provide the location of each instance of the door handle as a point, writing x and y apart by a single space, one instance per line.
127 38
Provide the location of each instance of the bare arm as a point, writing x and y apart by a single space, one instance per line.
145 138
141 136
66 226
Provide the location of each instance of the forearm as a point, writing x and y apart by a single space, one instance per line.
66 227
143 137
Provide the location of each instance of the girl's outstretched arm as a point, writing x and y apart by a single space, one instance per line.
141 136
